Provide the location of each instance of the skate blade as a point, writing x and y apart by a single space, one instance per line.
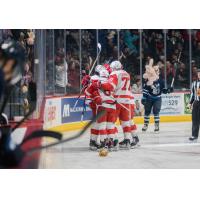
143 131
113 149
136 146
124 147
93 148
193 141
156 132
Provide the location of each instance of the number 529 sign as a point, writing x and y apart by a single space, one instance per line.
172 104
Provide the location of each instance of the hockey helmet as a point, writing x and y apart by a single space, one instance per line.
98 68
12 51
104 73
116 65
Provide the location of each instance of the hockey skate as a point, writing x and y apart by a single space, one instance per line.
103 144
125 144
116 145
113 145
135 142
144 128
156 130
193 139
94 145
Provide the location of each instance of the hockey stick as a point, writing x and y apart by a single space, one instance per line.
98 54
78 98
39 134
84 108
12 157
176 66
122 106
99 51
101 113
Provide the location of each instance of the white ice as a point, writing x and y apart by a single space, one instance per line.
168 149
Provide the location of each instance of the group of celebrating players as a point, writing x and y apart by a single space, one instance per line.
109 91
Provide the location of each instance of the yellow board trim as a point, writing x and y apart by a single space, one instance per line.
137 120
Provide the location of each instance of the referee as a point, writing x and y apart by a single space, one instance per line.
195 106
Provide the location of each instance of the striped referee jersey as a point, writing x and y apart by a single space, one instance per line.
195 91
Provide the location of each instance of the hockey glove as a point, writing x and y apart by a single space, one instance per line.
86 80
168 90
96 84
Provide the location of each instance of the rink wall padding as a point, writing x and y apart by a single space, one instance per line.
59 113
31 161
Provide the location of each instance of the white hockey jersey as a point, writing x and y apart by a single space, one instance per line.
119 82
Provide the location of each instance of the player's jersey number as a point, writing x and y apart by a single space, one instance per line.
125 83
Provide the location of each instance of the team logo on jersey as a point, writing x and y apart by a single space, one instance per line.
156 88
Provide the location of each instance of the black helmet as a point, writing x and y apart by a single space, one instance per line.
11 50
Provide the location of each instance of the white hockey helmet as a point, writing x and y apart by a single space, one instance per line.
116 65
98 68
104 73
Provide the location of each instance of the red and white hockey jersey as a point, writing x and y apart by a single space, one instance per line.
98 96
90 91
119 82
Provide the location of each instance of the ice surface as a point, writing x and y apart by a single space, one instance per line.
168 149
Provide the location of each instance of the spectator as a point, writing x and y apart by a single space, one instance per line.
73 86
181 74
194 71
137 86
138 109
170 72
61 70
27 75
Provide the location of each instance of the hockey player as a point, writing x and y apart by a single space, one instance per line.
90 92
104 101
119 82
106 124
152 99
12 60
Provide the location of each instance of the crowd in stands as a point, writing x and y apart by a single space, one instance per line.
128 41
75 51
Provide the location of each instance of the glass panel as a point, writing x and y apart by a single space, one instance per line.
108 40
129 56
88 49
60 63
195 53
178 59
50 81
72 61
153 47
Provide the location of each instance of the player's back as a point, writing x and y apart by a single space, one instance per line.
122 90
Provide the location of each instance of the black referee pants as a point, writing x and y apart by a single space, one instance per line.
195 118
